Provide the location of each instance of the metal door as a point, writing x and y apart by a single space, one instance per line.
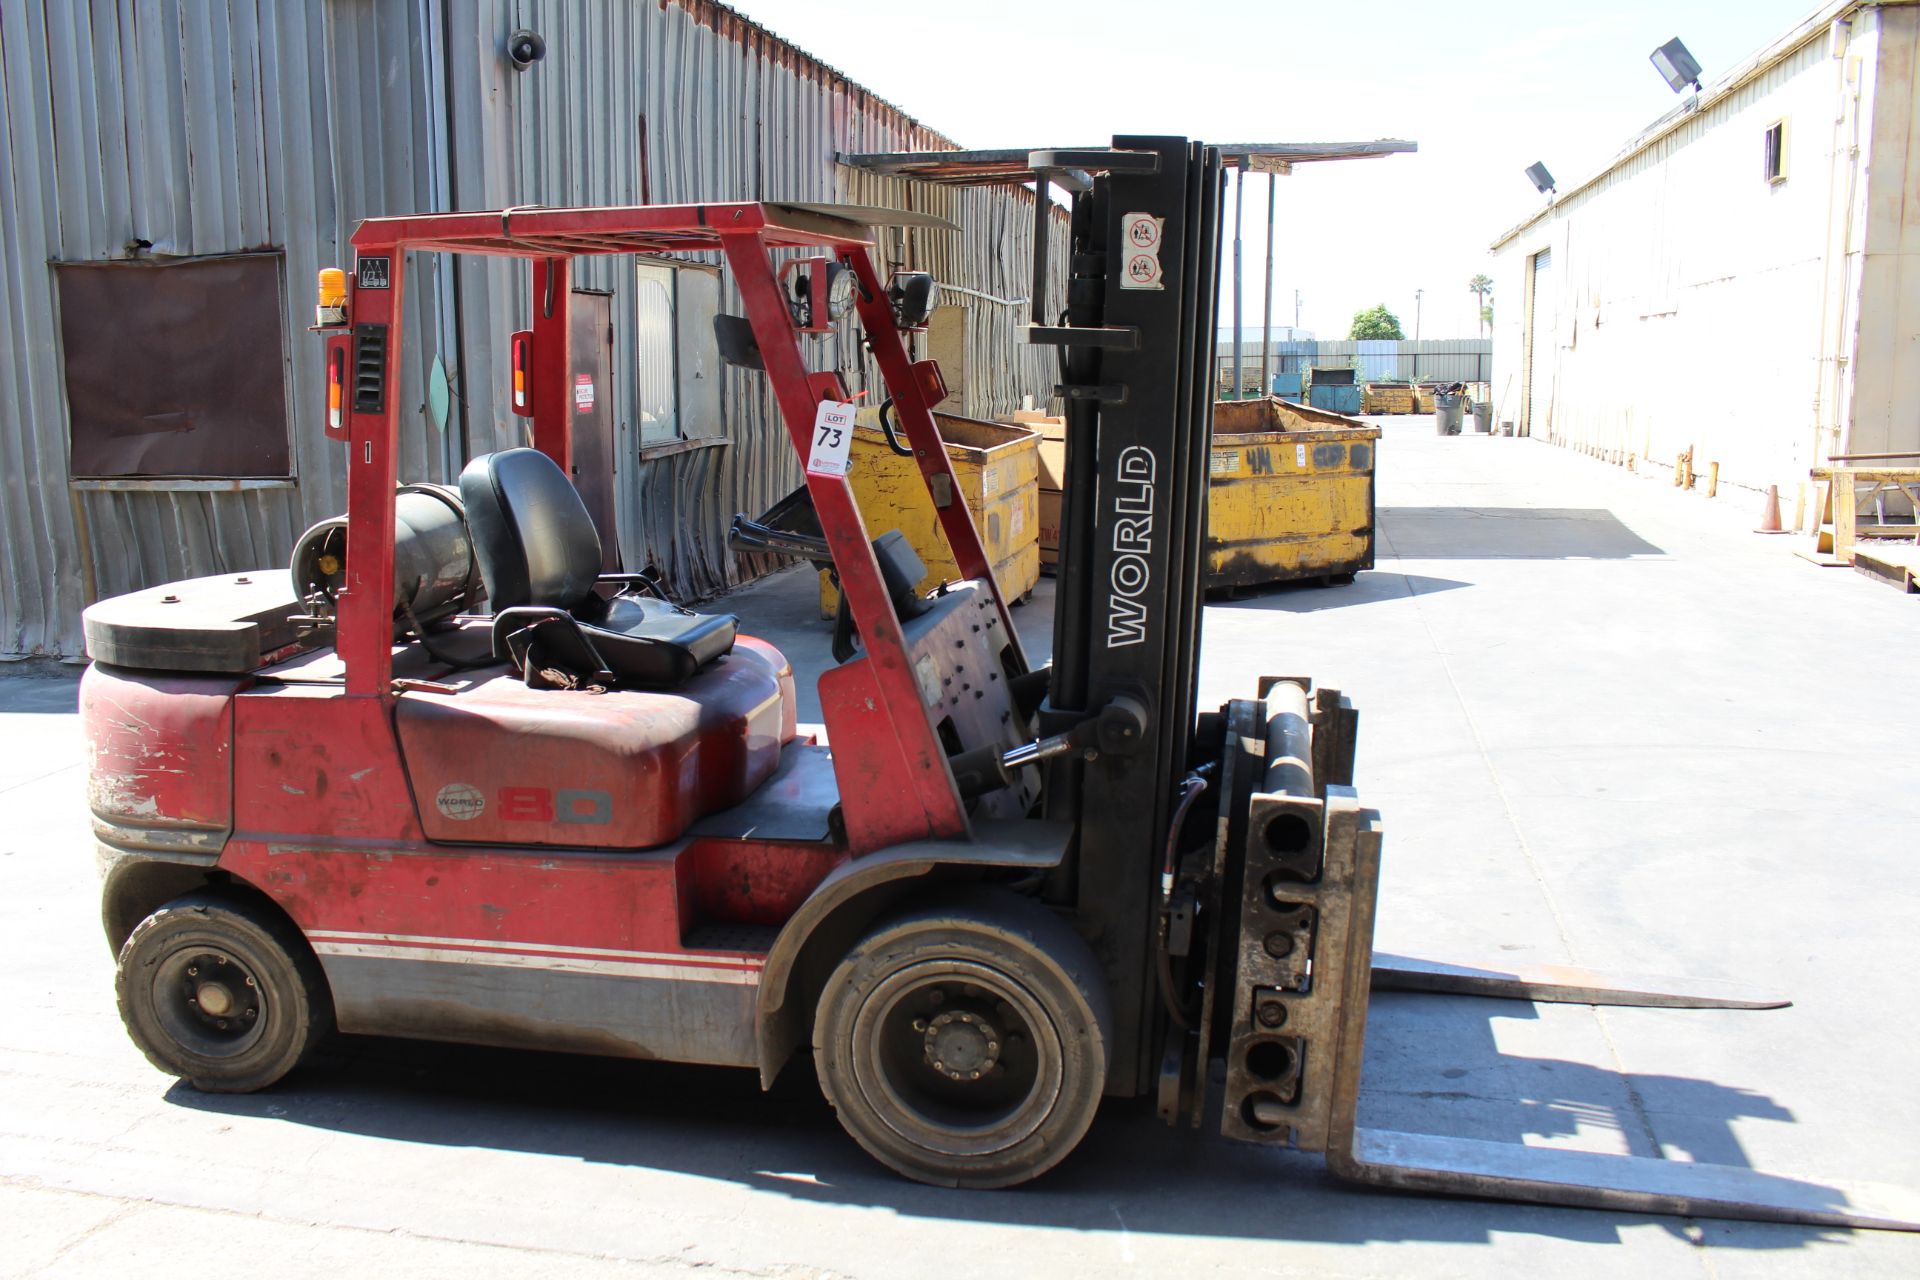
1540 323
593 416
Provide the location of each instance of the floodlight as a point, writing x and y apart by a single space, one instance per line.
1676 66
1542 180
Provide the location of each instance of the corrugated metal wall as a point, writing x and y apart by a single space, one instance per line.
1428 360
210 129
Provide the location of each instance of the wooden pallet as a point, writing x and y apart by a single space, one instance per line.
1897 563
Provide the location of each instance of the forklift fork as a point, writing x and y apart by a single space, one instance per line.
1305 966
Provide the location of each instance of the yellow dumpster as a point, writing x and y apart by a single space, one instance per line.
1289 494
998 470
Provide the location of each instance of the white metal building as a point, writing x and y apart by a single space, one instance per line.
1742 279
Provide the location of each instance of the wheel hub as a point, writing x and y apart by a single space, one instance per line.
219 1005
962 1045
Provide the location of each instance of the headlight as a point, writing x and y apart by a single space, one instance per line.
913 295
840 284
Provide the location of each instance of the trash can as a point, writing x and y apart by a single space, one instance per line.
1483 416
1448 410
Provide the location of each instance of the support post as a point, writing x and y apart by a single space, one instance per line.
1239 206
1266 317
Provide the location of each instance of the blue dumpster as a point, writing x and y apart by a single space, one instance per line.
1335 390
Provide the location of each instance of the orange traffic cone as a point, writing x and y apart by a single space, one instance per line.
1770 514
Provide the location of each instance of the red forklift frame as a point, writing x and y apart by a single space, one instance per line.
895 781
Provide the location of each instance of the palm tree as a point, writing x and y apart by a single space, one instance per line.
1482 289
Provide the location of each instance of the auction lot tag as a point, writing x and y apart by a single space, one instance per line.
832 438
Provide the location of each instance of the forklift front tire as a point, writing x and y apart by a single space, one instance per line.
965 1044
227 997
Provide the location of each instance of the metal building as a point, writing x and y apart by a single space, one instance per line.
1744 278
177 172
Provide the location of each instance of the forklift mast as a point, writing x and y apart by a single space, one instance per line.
1135 348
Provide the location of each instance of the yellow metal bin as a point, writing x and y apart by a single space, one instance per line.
1290 494
998 469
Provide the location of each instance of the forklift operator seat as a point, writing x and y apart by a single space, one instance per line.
540 558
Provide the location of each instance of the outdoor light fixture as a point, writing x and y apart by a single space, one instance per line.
1542 180
1676 66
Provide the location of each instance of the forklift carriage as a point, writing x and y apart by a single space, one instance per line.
585 818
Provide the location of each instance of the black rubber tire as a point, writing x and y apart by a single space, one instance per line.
293 1009
1031 975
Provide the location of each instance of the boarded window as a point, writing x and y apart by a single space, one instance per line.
176 368
1775 152
678 393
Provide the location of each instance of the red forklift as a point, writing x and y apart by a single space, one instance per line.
583 817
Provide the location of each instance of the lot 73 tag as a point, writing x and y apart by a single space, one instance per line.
832 438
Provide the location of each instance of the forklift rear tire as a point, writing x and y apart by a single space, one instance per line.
226 996
965 1044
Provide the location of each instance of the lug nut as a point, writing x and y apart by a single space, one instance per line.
1271 1014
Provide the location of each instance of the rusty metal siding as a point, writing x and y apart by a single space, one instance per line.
261 123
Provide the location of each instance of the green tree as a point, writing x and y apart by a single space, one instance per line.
1482 289
1376 322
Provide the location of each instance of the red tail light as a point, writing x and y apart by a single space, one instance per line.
523 373
337 388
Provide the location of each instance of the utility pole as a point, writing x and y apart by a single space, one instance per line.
1416 313
1296 313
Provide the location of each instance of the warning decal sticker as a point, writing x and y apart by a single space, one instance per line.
1142 233
583 393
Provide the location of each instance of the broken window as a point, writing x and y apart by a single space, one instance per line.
176 368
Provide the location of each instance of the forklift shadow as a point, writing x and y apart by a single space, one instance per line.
1509 533
1132 1174
1317 595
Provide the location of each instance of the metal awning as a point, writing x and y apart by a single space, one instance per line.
1009 165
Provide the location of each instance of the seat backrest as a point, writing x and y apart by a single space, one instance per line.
534 539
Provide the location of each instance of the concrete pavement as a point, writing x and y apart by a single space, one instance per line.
1604 724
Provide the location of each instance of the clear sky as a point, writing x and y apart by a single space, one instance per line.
1486 87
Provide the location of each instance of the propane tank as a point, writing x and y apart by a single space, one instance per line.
435 574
